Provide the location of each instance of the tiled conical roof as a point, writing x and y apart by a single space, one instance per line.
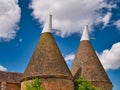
87 63
47 61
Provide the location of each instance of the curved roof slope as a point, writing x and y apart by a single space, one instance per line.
10 77
87 63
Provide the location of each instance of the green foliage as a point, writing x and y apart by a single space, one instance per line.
34 85
83 84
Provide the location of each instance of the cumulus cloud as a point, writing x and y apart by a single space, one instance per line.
70 16
111 58
70 57
2 68
9 17
117 23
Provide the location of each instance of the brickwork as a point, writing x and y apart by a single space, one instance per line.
3 86
13 86
10 80
104 85
10 86
54 84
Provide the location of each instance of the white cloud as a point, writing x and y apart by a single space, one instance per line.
9 17
111 58
70 16
70 57
117 23
2 68
106 19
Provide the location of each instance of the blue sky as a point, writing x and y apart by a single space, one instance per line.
21 23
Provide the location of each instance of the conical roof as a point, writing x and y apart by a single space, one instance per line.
47 60
87 63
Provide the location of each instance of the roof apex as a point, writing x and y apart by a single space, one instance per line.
48 25
85 35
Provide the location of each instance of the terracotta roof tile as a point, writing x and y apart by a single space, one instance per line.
11 77
87 60
47 60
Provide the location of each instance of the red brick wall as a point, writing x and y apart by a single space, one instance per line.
103 85
11 86
55 84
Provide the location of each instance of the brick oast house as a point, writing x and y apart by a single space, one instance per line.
10 80
48 64
87 64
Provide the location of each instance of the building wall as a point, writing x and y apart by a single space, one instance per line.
54 84
9 86
103 85
3 85
12 86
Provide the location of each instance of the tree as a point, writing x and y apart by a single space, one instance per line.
83 84
35 84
